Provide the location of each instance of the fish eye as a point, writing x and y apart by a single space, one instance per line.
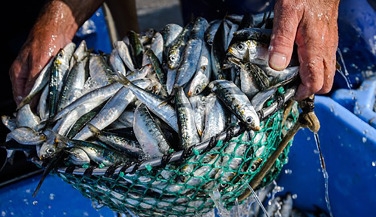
172 58
240 46
249 120
50 151
197 90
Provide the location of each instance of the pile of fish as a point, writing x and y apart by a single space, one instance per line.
157 92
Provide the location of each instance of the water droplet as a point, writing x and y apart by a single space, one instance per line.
52 196
374 163
3 213
294 196
288 171
35 202
364 139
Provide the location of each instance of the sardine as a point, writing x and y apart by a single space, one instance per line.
149 134
235 100
186 120
157 105
130 147
112 109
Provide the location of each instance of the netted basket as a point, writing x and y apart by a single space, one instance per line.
184 183
190 181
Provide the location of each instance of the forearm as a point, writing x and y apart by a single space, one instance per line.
64 17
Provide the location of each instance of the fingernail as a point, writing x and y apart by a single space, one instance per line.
277 61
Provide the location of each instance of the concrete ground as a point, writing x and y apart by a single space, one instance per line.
156 14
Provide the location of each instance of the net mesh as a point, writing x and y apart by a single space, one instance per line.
186 187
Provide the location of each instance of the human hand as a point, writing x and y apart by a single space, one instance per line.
54 29
312 25
32 58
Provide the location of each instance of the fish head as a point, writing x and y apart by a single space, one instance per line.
237 49
252 121
47 151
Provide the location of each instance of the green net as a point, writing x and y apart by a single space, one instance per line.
186 187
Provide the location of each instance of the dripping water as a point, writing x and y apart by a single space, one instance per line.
345 74
216 197
325 174
258 201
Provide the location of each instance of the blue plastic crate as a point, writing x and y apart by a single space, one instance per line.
360 101
55 198
96 33
348 145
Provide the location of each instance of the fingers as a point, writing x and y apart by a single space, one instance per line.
313 28
18 79
285 25
317 54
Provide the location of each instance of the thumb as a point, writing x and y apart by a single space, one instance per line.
285 24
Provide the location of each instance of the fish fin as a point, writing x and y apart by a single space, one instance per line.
50 166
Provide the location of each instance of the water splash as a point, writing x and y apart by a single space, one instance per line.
259 202
345 74
216 197
325 174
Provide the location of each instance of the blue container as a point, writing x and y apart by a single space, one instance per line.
55 198
357 42
348 145
95 32
360 101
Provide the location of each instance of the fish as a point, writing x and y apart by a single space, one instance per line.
156 104
150 136
130 147
186 120
235 100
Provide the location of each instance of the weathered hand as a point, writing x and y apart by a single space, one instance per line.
312 25
33 56
53 30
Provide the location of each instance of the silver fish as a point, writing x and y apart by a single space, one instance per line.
125 54
41 81
186 120
215 117
25 117
150 136
130 147
74 83
157 46
236 101
78 157
249 51
188 65
60 67
176 49
112 109
157 105
91 99
26 136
